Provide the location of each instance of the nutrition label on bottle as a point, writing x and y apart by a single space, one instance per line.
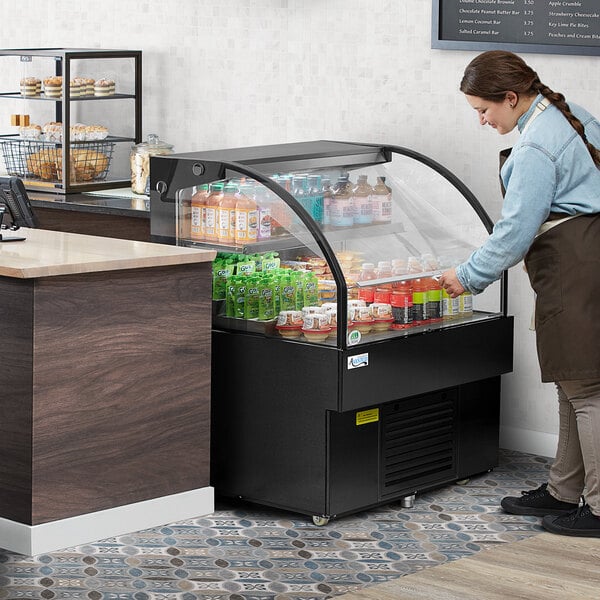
543 22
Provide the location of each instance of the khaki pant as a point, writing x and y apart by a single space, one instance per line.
577 462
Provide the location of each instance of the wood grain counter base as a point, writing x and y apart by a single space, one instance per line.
104 391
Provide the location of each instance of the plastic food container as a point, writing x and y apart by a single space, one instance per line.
140 162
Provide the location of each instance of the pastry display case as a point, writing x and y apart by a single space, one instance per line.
71 117
343 377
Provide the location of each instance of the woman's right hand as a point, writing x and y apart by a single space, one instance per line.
450 283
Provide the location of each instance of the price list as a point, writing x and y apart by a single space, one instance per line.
506 22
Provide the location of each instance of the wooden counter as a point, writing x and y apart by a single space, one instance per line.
117 213
104 388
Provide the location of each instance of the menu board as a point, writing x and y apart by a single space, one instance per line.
554 26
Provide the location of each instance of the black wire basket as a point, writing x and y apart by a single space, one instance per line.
41 160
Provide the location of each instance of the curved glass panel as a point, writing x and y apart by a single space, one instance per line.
354 247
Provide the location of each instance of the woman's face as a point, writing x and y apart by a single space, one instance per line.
502 116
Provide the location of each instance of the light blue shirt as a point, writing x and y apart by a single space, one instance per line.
548 170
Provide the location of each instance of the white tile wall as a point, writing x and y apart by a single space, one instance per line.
226 73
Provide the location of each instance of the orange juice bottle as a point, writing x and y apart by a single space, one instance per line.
211 211
226 215
198 213
246 216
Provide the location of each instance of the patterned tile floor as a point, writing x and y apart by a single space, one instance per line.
244 552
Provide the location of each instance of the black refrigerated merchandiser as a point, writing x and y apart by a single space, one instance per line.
342 376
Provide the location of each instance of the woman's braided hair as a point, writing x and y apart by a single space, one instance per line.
494 73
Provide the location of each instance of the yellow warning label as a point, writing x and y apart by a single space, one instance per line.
367 416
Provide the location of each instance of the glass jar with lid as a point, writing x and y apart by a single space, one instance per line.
140 161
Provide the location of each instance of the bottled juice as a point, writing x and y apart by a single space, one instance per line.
327 193
399 266
465 306
381 201
401 300
341 208
246 216
384 269
262 197
450 306
211 210
300 191
226 215
198 213
366 274
362 202
434 300
419 297
315 192
281 215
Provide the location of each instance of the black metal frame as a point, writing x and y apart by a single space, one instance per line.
63 58
438 42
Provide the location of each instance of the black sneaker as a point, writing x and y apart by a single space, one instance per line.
537 503
580 522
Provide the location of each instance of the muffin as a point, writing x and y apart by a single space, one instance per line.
30 132
96 132
74 88
31 86
104 87
86 86
53 86
52 131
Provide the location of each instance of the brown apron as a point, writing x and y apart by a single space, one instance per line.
563 265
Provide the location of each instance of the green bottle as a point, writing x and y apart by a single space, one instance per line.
252 297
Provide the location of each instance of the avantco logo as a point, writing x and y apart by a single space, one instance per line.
358 360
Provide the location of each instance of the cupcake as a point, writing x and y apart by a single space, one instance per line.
104 87
53 86
31 86
86 86
74 88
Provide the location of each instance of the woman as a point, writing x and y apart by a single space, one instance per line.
551 218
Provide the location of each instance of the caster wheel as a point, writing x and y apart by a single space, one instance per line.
408 501
463 481
320 520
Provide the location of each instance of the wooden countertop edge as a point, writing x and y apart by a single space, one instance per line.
49 254
104 265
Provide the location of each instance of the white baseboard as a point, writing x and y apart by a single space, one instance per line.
82 529
532 442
